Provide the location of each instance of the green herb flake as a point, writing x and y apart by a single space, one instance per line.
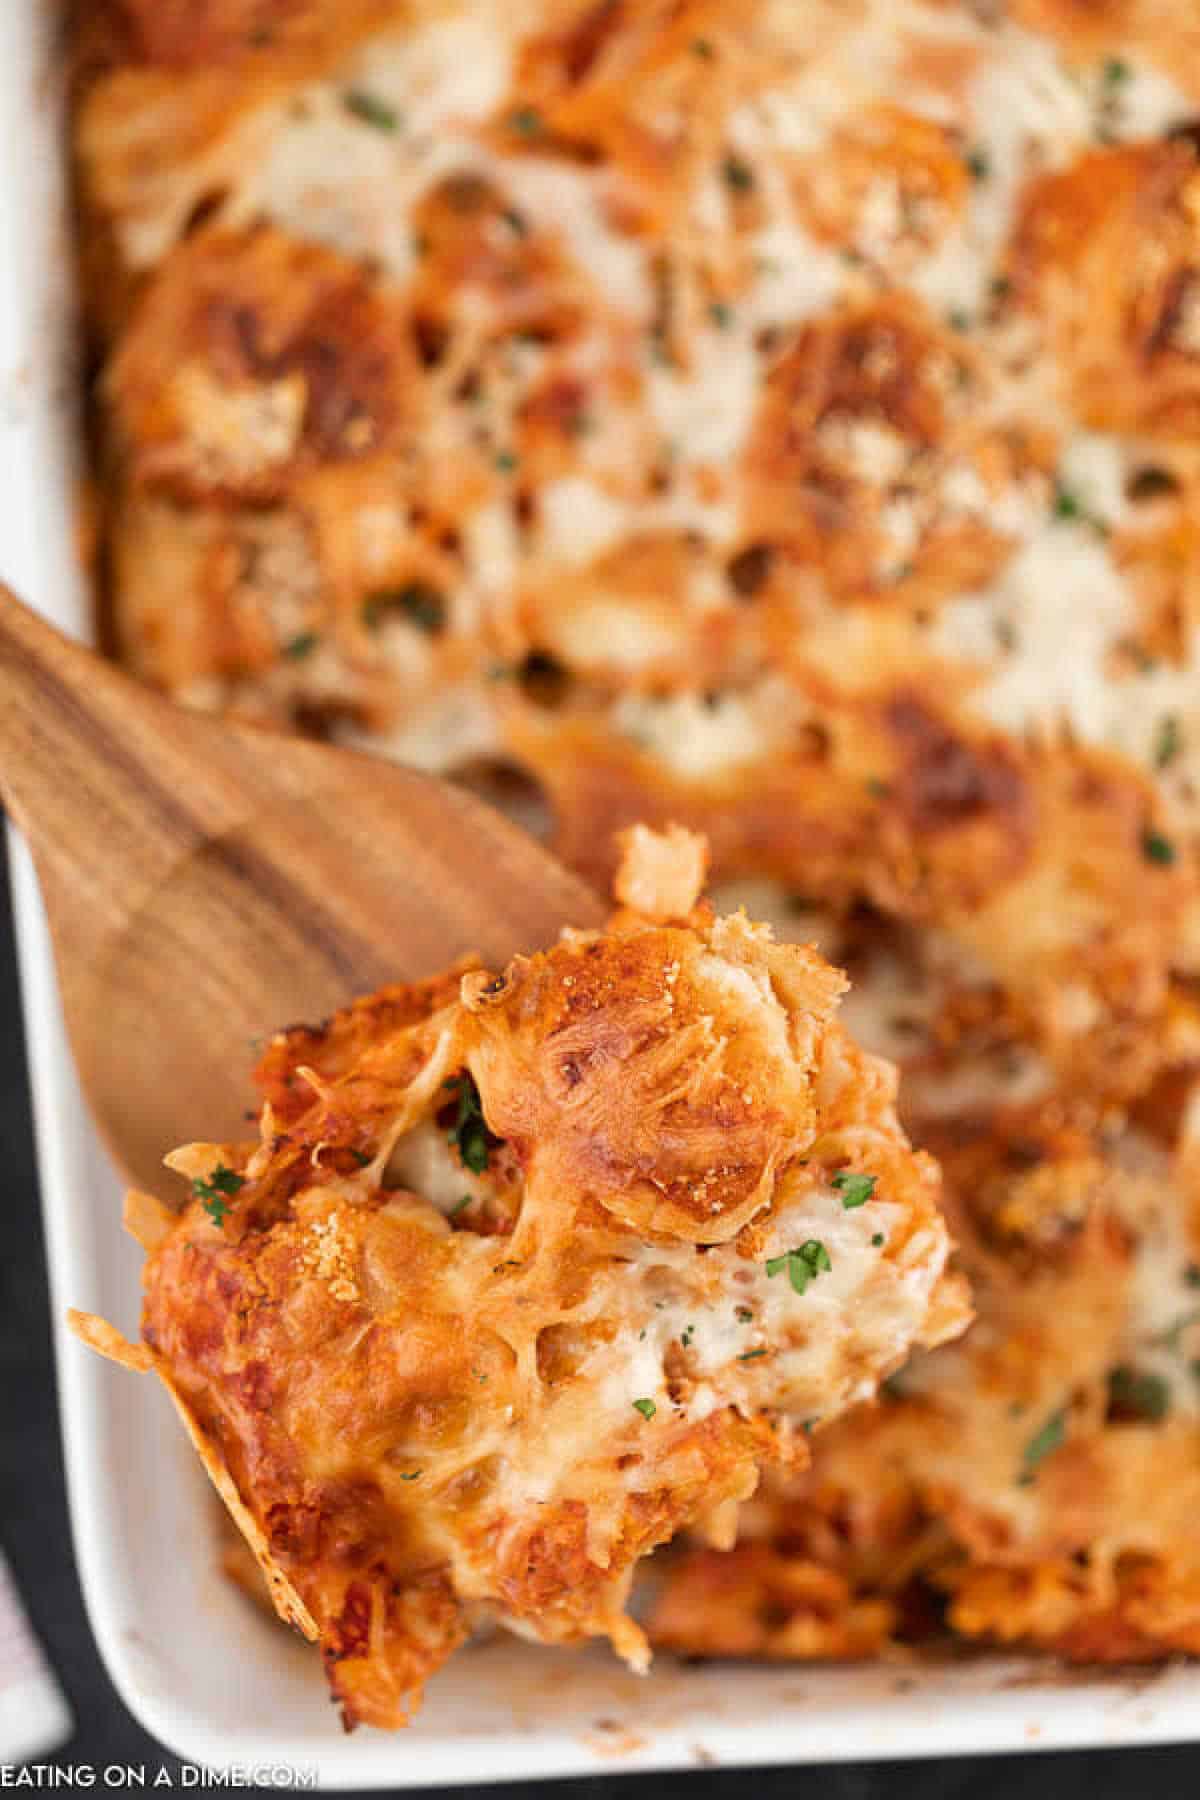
745 1314
1157 849
958 320
979 164
215 1194
721 315
1066 504
687 1335
803 1265
1116 72
1168 741
1042 1444
1138 1394
460 1206
752 1355
469 1133
647 1408
1171 1338
877 1240
527 120
505 461
370 109
301 646
855 1190
702 47
417 601
411 1474
1191 1275
738 174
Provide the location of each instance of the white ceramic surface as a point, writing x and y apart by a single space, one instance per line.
194 1661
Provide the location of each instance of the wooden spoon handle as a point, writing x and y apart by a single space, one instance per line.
92 766
208 881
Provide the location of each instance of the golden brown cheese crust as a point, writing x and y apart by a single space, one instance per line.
693 419
785 426
528 1271
1034 1483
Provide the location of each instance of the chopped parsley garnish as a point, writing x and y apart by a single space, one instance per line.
877 1240
751 1355
410 1475
1042 1444
1066 504
738 174
1192 1275
1168 741
958 320
506 462
855 1190
878 790
687 1335
1115 72
1135 1394
979 164
370 109
301 646
460 1206
1157 849
647 1408
215 1194
1170 1338
469 1133
416 601
702 47
802 1265
721 315
745 1314
527 120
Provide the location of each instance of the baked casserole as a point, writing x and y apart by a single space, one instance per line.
783 420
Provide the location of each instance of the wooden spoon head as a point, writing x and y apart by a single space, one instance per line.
343 874
208 883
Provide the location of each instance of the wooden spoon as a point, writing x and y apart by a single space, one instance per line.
209 882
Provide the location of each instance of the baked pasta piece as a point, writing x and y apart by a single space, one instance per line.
528 1271
1034 1484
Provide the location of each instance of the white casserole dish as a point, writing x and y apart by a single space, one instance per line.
193 1660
